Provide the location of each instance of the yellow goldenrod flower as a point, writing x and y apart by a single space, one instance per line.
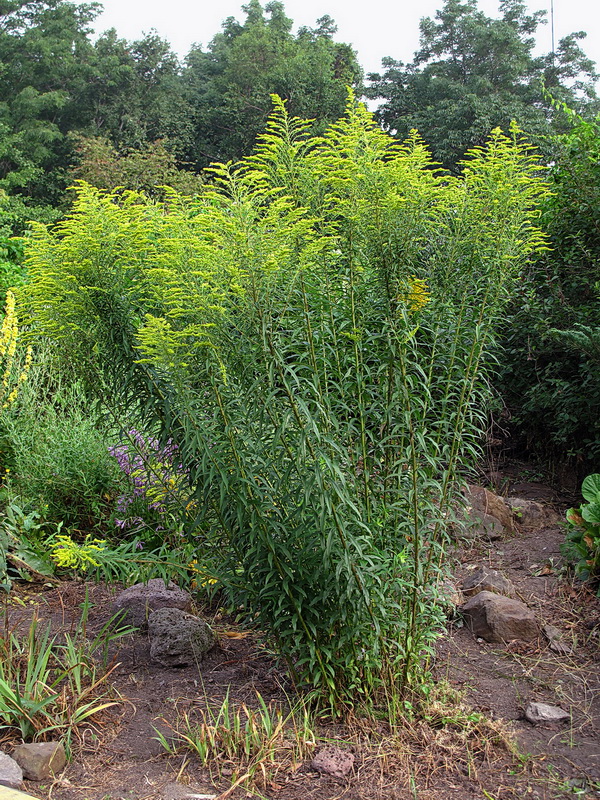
416 295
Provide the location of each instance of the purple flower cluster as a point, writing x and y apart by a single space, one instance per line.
155 475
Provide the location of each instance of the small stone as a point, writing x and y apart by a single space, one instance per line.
555 640
11 774
178 639
496 618
135 604
333 761
487 580
537 713
40 760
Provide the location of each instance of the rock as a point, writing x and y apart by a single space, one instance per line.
529 513
178 639
537 713
40 760
450 596
496 618
485 503
484 526
555 640
333 761
11 774
135 604
487 580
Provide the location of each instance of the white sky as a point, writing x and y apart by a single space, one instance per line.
375 29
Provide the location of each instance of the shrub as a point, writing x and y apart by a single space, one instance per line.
553 393
312 331
55 448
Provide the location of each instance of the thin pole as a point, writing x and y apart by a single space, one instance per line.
552 27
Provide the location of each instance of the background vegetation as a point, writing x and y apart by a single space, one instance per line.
270 376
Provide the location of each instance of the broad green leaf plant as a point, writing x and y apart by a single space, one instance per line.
312 332
583 537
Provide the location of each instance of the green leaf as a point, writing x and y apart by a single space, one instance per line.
590 488
591 513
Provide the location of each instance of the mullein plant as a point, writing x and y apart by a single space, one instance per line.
13 373
312 331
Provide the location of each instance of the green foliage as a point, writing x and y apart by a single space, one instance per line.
125 562
145 170
473 72
229 85
312 331
583 539
22 551
551 369
55 447
52 686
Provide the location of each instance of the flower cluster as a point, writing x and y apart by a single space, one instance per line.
67 553
416 296
158 482
9 333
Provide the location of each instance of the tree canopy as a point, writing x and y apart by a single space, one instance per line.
229 85
58 86
473 73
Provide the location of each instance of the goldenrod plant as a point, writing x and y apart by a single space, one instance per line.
312 331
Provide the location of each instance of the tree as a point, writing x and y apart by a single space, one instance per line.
550 366
44 47
144 169
473 73
135 95
230 84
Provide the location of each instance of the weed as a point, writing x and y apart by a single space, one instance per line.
257 741
51 684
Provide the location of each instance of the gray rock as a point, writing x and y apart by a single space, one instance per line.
529 513
556 641
487 580
333 761
537 713
481 526
40 760
135 604
496 618
11 774
178 639
484 503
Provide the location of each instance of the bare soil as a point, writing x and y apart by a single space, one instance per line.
118 758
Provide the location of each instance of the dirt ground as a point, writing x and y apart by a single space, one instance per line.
118 758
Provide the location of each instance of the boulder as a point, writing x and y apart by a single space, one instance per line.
483 502
135 604
178 639
538 713
40 760
333 761
487 580
496 618
11 774
529 513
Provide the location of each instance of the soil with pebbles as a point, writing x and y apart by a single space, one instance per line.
119 758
